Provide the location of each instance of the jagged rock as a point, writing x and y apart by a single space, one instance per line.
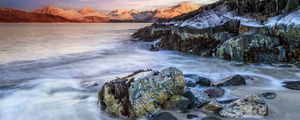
293 85
210 118
235 80
197 98
191 116
213 106
176 102
163 116
198 80
268 95
242 30
251 48
252 105
214 92
141 93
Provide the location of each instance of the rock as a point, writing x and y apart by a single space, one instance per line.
154 48
213 107
250 48
190 116
163 116
189 83
210 118
177 102
197 98
214 92
235 80
293 85
252 105
141 93
198 80
227 101
268 95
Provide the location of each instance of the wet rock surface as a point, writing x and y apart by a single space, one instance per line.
191 116
163 116
235 80
252 105
269 95
197 79
214 92
197 98
176 102
293 85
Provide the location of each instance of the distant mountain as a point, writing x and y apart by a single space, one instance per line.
166 13
12 15
90 15
177 10
86 14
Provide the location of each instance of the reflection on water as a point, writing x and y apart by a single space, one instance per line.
53 71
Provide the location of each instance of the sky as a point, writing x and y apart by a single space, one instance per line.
97 4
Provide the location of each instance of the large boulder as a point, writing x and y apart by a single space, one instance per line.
141 93
251 48
252 105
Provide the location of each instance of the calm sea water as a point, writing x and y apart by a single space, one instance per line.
54 71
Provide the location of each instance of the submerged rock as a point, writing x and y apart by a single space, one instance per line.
163 116
141 93
214 92
293 85
268 95
252 105
235 80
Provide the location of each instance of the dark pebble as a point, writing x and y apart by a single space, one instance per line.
163 116
214 92
190 116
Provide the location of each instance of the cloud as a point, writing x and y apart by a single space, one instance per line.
98 4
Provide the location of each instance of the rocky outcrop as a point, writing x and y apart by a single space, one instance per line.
242 30
250 106
141 93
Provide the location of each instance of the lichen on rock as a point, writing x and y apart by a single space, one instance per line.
142 93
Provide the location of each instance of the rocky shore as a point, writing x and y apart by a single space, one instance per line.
253 31
145 92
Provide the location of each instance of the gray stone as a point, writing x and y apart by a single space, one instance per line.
198 80
197 98
214 92
177 102
163 116
235 80
252 105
